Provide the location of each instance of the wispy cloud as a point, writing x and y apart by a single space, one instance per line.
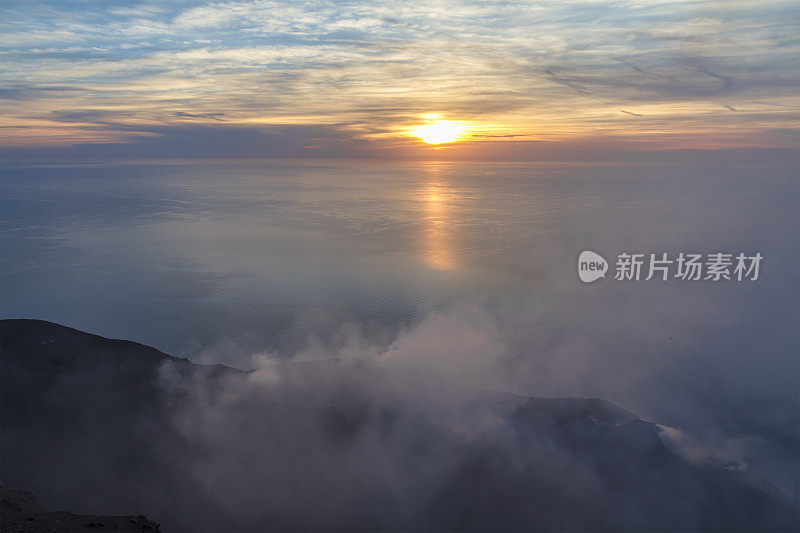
549 70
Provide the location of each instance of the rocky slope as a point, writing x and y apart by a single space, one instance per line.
21 512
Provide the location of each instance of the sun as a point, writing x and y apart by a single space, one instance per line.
438 132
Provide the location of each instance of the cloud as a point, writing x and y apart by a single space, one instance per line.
21 91
551 69
373 426
727 81
213 116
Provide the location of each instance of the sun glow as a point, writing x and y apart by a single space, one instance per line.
438 132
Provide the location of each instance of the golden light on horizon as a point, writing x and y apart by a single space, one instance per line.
439 132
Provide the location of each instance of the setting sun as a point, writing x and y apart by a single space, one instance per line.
441 131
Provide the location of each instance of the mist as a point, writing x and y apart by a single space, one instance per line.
384 340
417 436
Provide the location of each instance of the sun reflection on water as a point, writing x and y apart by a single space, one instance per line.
438 246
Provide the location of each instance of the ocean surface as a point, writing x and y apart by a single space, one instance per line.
238 262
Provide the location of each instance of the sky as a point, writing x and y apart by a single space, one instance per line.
521 80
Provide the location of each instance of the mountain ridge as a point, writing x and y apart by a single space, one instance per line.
135 428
